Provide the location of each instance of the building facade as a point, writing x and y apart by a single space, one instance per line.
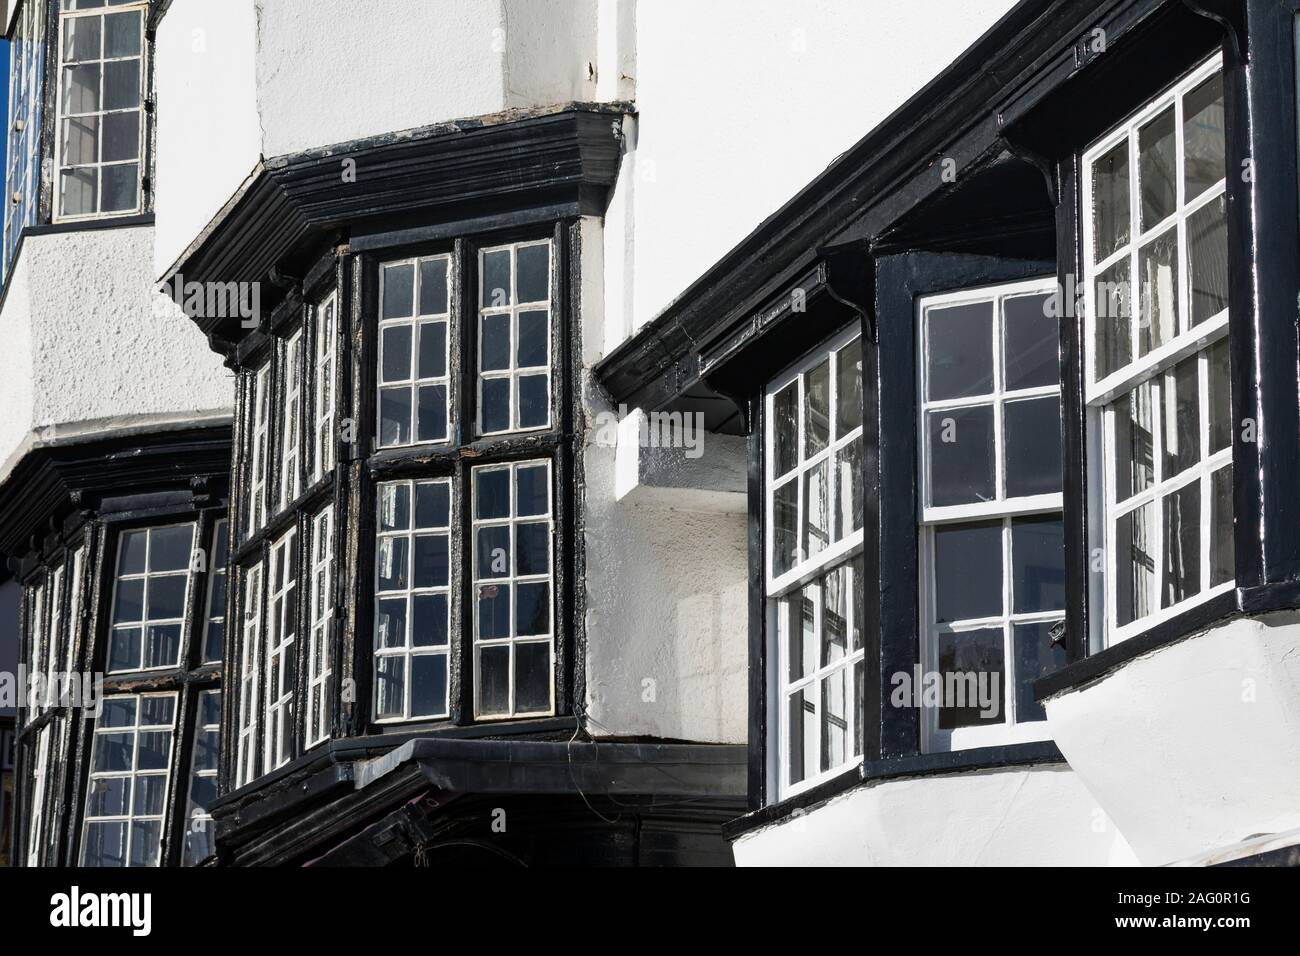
600 431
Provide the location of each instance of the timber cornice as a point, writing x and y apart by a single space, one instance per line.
550 163
963 113
55 482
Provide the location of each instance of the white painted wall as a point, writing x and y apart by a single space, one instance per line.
86 351
1196 745
208 136
740 104
1034 816
667 605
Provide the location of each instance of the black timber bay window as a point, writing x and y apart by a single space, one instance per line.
1079 383
131 589
401 560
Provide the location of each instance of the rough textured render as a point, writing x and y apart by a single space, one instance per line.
93 347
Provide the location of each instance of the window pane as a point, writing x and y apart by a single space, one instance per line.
1181 417
532 677
394 507
431 413
494 680
1031 343
1182 544
533 340
122 84
815 533
785 429
433 286
496 342
429 620
802 729
492 493
532 608
533 548
1203 137
1038 564
121 34
496 404
967 571
83 38
1157 169
432 564
433 350
974 659
81 139
817 404
170 548
848 489
785 534
131 553
1036 657
432 504
534 401
837 692
1207 260
395 353
392 568
496 279
121 138
428 685
78 192
960 344
81 88
163 647
493 611
1158 275
1135 564
124 649
493 548
390 688
848 382
1114 307
1134 442
532 490
534 265
166 597
128 604
798 610
1222 557
399 291
105 844
395 415
1033 446
1110 209
961 456
835 616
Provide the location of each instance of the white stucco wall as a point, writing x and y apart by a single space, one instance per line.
740 104
1196 745
208 138
667 616
85 351
1036 816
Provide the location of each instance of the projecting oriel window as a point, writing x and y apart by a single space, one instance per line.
100 124
203 779
1157 364
412 599
126 796
514 338
814 578
992 556
413 351
321 610
150 594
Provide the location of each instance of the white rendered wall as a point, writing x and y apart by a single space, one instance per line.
1196 745
1036 816
740 104
208 136
667 605
86 351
